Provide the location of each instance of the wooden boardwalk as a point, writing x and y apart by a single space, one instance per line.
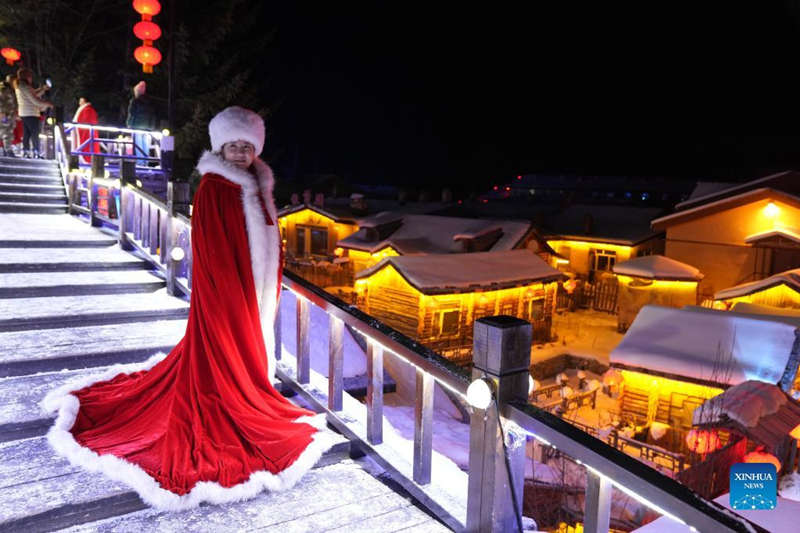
72 303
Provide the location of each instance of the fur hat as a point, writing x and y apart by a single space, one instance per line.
236 124
139 89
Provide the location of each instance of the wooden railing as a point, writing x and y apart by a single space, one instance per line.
501 356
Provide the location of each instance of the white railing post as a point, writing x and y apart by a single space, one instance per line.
127 175
597 505
98 171
177 199
423 428
501 355
335 364
303 342
374 392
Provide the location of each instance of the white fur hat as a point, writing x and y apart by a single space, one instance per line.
139 89
236 124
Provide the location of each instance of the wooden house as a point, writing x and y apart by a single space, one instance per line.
736 234
310 230
391 234
673 360
436 298
591 239
653 279
780 291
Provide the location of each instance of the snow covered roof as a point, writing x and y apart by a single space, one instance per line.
452 273
431 234
761 411
715 347
706 188
337 214
790 278
722 202
616 224
791 234
787 181
658 267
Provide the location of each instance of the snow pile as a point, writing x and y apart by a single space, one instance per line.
658 430
790 487
745 403
715 346
658 267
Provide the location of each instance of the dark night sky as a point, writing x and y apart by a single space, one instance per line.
467 97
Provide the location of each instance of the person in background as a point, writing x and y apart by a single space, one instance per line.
141 116
85 114
30 105
8 115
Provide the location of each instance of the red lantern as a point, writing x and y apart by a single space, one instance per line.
702 441
11 55
760 456
147 56
147 8
147 31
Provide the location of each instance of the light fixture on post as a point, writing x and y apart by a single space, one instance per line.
177 254
479 393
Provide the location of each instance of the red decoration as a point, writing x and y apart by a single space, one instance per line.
147 56
11 55
702 441
147 31
760 456
147 8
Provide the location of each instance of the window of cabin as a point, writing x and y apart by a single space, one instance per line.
319 241
536 310
301 241
448 322
604 260
507 309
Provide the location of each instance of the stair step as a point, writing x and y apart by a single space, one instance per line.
41 228
32 178
23 161
30 284
29 352
17 314
31 187
60 496
16 167
39 198
19 207
68 259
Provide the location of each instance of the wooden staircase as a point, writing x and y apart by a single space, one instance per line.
31 186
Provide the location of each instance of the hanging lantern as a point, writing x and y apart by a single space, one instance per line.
147 56
147 31
11 55
702 441
760 456
147 8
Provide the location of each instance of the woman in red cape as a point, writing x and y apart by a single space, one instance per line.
204 423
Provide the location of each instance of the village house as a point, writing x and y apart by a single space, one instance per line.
435 298
736 234
777 291
673 360
653 279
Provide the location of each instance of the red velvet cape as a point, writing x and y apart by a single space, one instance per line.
85 114
207 412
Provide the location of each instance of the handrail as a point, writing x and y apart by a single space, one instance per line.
116 148
634 478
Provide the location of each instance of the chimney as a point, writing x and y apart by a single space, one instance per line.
294 199
319 199
588 223
307 196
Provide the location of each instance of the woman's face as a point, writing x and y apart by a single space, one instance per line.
240 153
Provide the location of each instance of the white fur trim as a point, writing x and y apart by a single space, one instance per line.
236 124
64 443
264 240
78 112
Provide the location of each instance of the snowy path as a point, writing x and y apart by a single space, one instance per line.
71 304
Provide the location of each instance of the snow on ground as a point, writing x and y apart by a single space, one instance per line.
583 333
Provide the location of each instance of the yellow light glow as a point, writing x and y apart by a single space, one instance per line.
771 210
777 296
659 283
665 386
562 261
587 245
338 251
165 132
